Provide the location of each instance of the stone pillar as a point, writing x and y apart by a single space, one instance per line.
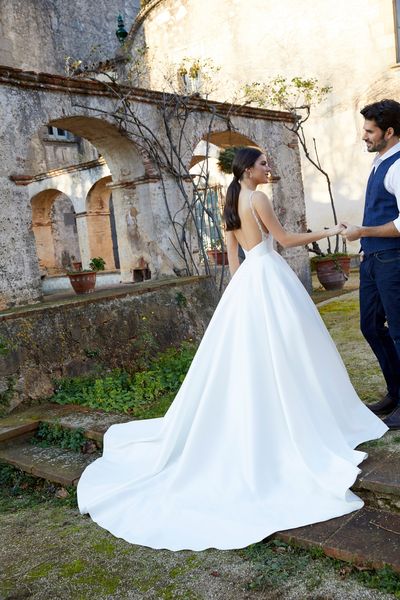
19 267
45 246
125 212
288 197
83 238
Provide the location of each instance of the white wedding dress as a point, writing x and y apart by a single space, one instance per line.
260 437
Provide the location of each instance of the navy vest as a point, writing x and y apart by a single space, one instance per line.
380 208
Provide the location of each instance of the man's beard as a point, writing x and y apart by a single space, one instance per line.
378 146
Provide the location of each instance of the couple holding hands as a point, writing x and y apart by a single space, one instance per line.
260 438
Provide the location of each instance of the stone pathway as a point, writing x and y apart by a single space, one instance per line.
369 537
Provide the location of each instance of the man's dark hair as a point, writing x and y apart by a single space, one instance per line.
385 113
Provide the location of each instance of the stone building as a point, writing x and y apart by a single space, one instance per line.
74 185
352 46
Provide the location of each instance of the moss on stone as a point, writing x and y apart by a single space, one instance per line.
40 571
73 568
104 547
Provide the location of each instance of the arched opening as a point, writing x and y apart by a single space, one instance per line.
54 228
212 183
98 167
101 223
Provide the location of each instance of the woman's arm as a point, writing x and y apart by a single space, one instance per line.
232 248
287 239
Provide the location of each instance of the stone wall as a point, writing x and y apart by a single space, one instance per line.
37 35
43 344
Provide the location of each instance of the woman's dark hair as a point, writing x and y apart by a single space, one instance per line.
385 113
244 158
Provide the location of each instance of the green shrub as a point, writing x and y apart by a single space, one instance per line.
143 394
54 434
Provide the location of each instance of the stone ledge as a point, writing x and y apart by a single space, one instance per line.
58 83
368 538
128 289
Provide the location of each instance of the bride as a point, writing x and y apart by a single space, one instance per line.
261 435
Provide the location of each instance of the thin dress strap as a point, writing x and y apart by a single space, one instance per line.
257 220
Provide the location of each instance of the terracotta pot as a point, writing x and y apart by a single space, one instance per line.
333 273
83 283
218 257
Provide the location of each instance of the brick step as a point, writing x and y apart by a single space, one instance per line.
367 538
53 464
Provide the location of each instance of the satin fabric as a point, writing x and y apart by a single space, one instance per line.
259 438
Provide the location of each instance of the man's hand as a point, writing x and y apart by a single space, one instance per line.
351 232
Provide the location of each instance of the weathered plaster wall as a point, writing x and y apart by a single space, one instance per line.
77 338
65 234
98 222
38 34
349 45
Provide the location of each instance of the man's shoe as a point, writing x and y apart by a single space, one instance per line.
393 420
384 406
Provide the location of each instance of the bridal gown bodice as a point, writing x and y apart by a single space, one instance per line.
259 438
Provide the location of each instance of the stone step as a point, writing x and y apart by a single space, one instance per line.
93 422
53 464
367 538
379 481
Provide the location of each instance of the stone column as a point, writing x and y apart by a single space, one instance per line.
288 197
125 211
83 238
19 267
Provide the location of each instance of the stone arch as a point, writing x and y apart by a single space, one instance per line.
222 139
128 167
54 229
100 223
204 164
120 153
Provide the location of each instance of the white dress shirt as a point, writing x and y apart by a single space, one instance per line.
392 177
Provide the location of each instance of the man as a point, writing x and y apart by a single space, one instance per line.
380 244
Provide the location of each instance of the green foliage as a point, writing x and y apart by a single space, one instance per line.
6 396
276 562
19 490
143 394
54 434
145 344
181 299
290 94
91 353
385 580
97 264
5 346
225 159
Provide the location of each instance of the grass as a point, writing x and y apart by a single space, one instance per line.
278 564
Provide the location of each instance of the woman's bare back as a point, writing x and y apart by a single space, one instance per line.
251 232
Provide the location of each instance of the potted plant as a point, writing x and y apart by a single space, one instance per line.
332 268
83 281
217 253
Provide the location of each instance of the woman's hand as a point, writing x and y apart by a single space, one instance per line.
335 230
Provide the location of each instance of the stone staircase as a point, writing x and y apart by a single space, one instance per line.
368 538
54 464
